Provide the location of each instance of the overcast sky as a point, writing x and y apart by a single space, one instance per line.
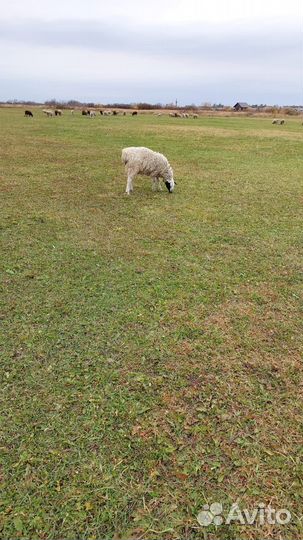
157 51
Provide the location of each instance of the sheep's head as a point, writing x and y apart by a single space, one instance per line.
170 185
169 180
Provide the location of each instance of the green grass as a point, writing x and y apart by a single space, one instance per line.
151 348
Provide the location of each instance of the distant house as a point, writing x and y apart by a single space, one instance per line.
241 106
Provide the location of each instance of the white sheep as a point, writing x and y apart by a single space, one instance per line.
141 160
49 112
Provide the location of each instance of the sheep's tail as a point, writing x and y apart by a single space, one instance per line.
124 157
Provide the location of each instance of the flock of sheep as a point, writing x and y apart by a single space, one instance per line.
140 160
48 112
84 112
51 112
278 122
181 115
93 113
103 113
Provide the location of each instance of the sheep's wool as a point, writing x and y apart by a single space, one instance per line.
141 160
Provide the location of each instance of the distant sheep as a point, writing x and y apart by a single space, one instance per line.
29 114
275 121
134 113
141 160
48 112
92 114
278 122
107 113
58 112
84 113
195 116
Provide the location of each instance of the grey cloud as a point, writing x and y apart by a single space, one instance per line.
235 43
254 63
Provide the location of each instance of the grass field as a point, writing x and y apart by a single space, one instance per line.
152 344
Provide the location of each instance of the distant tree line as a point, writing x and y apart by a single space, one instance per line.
73 103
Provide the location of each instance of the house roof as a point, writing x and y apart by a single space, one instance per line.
242 104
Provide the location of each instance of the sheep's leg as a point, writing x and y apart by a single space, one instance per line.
157 183
129 184
154 183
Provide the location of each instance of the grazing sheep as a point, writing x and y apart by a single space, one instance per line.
58 112
48 112
72 111
115 113
29 114
84 113
134 113
101 112
275 121
195 116
107 113
92 114
141 160
282 122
